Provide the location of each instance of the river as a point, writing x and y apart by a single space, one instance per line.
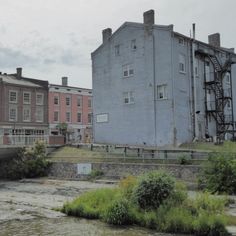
26 210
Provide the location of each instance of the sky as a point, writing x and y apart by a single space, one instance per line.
50 39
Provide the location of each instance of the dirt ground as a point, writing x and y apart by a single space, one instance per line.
28 199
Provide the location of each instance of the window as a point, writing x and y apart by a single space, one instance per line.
13 96
89 103
162 92
39 99
128 70
227 79
56 116
79 116
90 115
133 44
12 114
68 116
56 100
182 63
196 68
101 118
181 41
79 101
26 97
39 114
229 106
117 50
26 114
68 101
128 97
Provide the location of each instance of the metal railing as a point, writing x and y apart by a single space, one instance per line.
23 140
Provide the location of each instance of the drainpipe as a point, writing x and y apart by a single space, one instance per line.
154 86
195 122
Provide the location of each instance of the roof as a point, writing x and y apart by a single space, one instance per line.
69 87
10 79
163 27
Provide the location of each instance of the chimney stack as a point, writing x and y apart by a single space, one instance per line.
214 40
149 17
18 72
64 81
106 34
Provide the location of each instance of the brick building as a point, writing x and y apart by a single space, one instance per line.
71 106
23 109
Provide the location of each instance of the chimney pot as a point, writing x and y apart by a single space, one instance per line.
106 34
64 81
149 17
18 72
214 40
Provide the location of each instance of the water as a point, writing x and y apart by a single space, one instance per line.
69 226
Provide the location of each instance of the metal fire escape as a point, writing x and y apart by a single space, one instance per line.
224 123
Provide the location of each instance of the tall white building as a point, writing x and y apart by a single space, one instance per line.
153 86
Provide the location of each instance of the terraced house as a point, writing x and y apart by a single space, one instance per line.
71 106
154 86
23 109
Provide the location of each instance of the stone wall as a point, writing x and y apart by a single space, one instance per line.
119 170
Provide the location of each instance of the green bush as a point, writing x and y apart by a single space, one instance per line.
118 213
30 163
184 160
219 174
95 174
152 189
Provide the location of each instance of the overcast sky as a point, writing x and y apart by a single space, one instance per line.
54 38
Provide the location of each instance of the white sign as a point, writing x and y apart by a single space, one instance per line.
84 168
100 118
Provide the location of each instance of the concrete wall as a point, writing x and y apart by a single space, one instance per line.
120 170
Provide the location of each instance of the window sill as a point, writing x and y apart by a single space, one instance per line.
161 99
182 72
129 76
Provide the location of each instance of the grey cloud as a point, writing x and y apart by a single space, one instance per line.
12 58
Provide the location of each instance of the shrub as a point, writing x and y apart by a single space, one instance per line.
219 174
184 160
152 189
118 213
29 163
95 174
127 185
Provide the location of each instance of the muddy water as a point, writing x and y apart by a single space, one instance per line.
26 210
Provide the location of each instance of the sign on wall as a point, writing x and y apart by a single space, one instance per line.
100 118
84 168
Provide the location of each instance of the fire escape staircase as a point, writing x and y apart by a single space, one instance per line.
223 122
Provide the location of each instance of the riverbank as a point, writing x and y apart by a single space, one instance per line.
26 209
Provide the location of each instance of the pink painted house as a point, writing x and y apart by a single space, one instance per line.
73 106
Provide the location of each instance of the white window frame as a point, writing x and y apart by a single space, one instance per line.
182 63
78 117
28 119
128 97
56 97
181 41
128 70
57 116
162 92
90 103
227 78
16 114
68 120
133 45
39 117
27 102
41 102
16 93
79 101
68 97
229 105
117 50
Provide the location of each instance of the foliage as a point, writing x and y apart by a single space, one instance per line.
152 189
117 213
95 174
219 174
184 160
174 213
30 163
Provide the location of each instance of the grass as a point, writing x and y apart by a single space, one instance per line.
227 146
79 155
203 215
